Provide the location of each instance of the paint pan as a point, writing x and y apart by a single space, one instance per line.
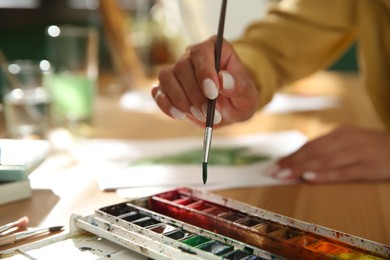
163 229
196 240
160 237
239 254
194 224
216 247
177 234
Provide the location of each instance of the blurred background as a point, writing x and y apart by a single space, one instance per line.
135 37
159 29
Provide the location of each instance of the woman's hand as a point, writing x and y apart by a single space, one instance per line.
184 87
346 154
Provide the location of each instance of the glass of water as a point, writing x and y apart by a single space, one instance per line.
73 54
26 102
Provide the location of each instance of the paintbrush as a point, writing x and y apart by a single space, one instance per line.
211 102
20 223
6 240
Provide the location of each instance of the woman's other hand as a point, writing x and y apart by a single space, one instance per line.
346 154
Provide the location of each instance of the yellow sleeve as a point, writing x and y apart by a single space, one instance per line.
295 39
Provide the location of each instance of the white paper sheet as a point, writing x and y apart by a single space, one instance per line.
113 158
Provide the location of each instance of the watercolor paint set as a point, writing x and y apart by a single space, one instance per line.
194 224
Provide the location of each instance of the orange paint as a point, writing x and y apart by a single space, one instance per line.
324 247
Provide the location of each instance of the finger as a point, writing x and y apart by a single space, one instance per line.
324 162
326 144
238 87
364 148
217 114
350 172
203 60
173 90
184 73
166 105
338 158
239 95
308 159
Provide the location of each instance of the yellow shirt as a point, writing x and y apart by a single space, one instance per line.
299 37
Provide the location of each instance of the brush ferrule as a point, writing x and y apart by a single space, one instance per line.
208 133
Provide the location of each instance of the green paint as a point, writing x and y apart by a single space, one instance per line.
233 156
196 240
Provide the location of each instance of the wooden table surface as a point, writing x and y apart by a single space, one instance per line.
361 209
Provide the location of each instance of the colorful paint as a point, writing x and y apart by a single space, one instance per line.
161 237
194 224
285 239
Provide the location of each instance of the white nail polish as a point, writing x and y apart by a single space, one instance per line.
210 89
309 176
197 114
159 94
217 117
283 174
217 114
177 114
227 81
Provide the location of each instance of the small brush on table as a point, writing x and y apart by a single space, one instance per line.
211 102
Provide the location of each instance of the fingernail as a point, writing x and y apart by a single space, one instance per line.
309 176
227 81
217 117
210 89
217 114
283 174
177 114
158 94
197 114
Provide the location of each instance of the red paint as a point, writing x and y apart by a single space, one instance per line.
199 205
268 235
170 195
184 201
215 211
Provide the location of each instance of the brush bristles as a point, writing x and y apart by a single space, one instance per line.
204 175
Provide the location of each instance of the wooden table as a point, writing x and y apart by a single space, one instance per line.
361 209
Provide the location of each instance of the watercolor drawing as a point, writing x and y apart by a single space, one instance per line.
233 156
239 161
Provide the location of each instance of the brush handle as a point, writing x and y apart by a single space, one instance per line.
211 102
219 40
22 222
217 54
7 240
6 227
210 112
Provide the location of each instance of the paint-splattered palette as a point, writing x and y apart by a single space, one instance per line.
160 237
194 224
